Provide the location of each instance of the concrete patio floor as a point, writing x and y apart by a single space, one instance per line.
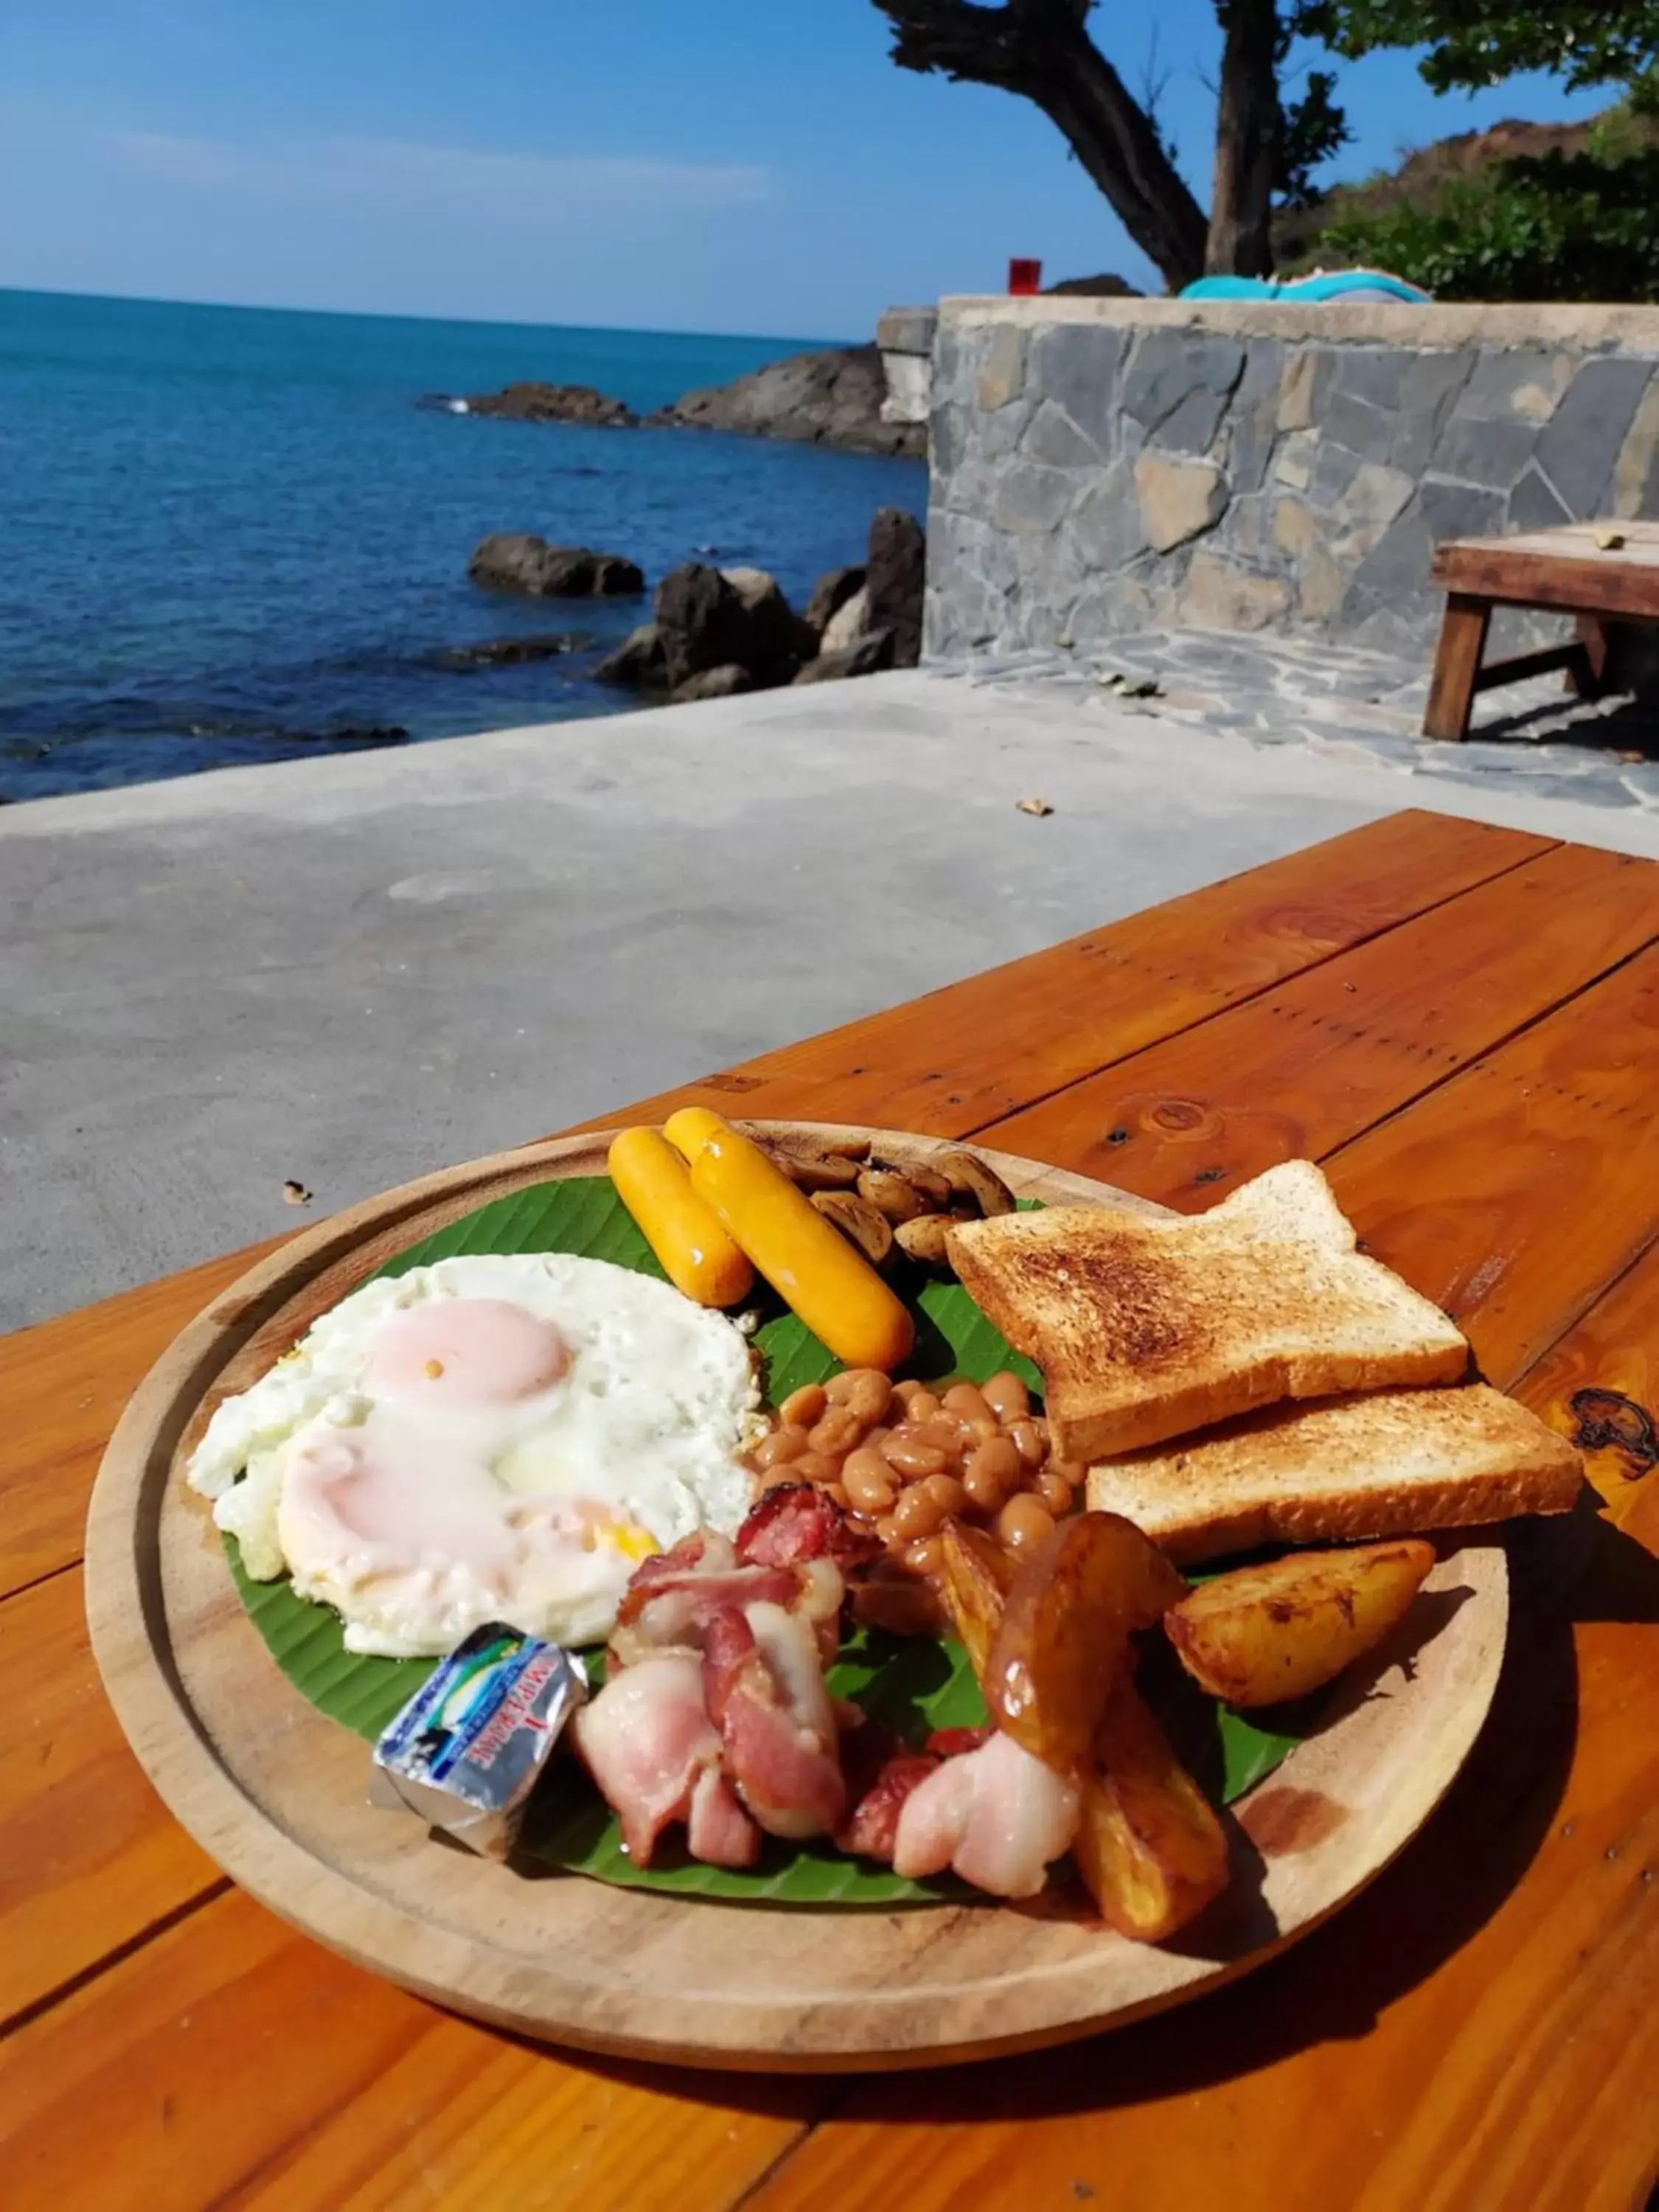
354 970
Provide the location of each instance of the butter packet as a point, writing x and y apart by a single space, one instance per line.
470 1746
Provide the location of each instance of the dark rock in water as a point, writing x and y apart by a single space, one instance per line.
514 561
712 684
642 659
896 572
829 595
554 402
873 652
505 651
718 617
828 398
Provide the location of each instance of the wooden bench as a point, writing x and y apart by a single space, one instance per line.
1599 572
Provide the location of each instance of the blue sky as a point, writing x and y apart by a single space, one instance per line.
731 164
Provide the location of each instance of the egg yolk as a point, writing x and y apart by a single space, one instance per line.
465 1352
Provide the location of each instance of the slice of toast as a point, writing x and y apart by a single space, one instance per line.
1145 1328
1389 1463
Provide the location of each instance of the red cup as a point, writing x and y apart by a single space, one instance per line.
1025 276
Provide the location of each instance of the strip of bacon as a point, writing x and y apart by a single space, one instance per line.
997 1815
719 1831
880 1775
648 1741
797 1522
763 1687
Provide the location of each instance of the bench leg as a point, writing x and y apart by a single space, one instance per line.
1456 665
1587 671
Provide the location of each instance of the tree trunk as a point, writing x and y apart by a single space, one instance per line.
1041 50
1248 122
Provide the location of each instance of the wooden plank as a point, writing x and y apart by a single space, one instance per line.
232 2062
945 1063
1311 1065
62 1384
1578 582
1517 1192
951 1062
1457 674
1599 1386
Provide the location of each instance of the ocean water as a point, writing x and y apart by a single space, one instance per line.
233 534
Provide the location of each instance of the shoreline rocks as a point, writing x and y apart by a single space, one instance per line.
554 402
716 631
832 398
514 561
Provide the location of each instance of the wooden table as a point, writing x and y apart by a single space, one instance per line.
1463 1023
1599 572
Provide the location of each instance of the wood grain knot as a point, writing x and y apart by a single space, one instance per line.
1606 1420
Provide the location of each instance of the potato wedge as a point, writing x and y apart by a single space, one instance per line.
1149 1847
1064 1637
1260 1635
973 1575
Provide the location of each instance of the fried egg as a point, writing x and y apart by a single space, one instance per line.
492 1437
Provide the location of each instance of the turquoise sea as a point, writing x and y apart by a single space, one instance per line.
233 534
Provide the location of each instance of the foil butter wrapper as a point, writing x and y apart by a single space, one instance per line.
470 1746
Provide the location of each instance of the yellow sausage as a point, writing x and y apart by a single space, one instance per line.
834 1289
690 1128
697 1255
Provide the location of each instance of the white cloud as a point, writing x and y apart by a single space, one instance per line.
349 171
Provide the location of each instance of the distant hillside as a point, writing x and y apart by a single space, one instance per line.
1421 176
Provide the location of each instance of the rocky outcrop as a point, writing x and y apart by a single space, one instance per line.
828 398
896 570
514 561
830 594
641 660
872 653
554 402
716 631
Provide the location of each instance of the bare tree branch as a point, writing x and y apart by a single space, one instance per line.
1041 49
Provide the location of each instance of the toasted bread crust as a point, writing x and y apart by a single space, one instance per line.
1146 1329
1383 1465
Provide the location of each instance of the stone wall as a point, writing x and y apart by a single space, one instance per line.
1105 467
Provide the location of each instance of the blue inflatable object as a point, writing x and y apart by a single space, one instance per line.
1337 285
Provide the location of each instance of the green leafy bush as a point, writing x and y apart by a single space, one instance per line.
1555 227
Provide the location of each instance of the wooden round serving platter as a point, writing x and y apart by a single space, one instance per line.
277 1793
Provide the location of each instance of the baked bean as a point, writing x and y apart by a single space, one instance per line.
977 1430
837 1491
836 1432
876 1437
775 1478
887 1529
963 1399
1022 1522
814 1467
952 1498
991 1474
913 1458
868 1482
1070 1470
943 1433
1007 1397
918 1400
917 1513
924 1556
804 1406
783 1444
864 1391
1052 1487
1027 1441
